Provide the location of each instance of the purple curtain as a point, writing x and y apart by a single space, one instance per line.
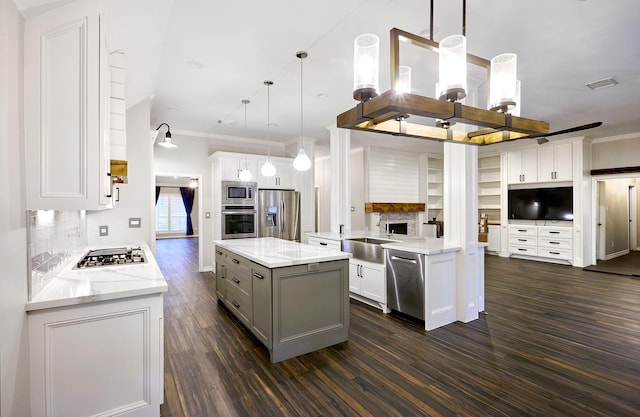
157 194
188 195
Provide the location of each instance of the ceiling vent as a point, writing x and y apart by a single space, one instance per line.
607 82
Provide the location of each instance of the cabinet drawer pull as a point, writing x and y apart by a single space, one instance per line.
235 261
236 305
555 253
323 244
236 280
522 240
218 252
522 249
554 243
259 276
553 232
522 230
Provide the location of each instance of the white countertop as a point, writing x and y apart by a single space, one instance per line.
423 245
78 286
276 253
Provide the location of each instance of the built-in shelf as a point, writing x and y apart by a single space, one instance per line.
435 183
489 182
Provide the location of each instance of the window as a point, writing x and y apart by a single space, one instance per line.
170 214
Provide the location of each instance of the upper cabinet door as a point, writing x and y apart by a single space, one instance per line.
523 166
66 132
555 163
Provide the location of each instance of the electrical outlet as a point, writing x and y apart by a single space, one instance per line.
135 222
104 230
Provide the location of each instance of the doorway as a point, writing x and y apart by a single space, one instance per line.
175 194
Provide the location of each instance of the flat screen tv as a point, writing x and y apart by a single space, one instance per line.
541 204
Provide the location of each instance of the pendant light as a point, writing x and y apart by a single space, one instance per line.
268 169
166 142
245 174
302 161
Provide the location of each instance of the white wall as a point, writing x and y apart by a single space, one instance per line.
14 347
323 183
615 153
136 197
393 177
191 158
357 191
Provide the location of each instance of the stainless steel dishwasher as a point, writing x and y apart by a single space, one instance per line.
405 282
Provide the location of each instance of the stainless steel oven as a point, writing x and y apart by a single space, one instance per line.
239 193
239 222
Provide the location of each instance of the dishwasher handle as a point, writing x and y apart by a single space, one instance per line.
400 258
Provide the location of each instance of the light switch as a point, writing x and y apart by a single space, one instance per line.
134 222
104 230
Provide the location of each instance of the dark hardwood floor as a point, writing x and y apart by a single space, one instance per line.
556 341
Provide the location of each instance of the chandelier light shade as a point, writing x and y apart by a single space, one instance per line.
404 79
302 161
502 92
268 169
453 68
516 110
365 66
166 142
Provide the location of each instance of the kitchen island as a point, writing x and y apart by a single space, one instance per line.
96 341
293 297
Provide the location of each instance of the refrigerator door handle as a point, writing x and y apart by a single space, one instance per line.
284 216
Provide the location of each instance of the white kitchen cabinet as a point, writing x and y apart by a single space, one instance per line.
555 162
435 181
367 279
493 238
104 358
523 166
327 243
552 242
66 109
285 177
231 164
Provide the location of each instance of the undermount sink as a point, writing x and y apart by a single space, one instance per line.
366 248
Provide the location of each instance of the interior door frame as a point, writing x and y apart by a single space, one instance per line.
595 203
200 209
633 215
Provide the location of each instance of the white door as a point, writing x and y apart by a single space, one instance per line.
633 228
601 217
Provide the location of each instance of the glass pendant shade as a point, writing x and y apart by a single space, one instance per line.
502 93
516 110
365 66
453 68
302 161
404 79
268 169
245 175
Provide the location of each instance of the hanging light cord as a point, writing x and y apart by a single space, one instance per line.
302 56
245 132
268 83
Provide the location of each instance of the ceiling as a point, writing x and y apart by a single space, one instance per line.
198 59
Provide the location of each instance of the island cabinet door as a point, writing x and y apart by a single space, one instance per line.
221 289
261 321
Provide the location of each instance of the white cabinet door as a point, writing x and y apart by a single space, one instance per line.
493 239
66 109
354 277
285 177
523 166
555 163
563 161
372 283
231 166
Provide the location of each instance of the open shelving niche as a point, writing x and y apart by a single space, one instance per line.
489 182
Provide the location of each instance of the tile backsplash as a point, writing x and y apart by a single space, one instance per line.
53 237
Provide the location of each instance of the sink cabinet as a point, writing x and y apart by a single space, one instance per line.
367 279
66 109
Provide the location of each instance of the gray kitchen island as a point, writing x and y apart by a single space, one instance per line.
293 297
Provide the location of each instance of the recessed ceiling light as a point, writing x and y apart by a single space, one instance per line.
273 124
606 82
322 95
195 64
226 122
173 109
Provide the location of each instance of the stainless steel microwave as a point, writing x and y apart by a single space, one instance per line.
239 193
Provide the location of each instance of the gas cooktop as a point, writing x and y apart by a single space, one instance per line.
111 256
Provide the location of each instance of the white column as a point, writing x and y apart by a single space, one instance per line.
461 226
340 145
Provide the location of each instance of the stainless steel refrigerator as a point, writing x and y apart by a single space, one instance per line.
279 214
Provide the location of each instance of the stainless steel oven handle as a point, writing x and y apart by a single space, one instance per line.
240 212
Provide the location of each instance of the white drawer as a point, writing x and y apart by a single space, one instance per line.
523 241
555 232
516 230
325 243
553 244
565 254
523 250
